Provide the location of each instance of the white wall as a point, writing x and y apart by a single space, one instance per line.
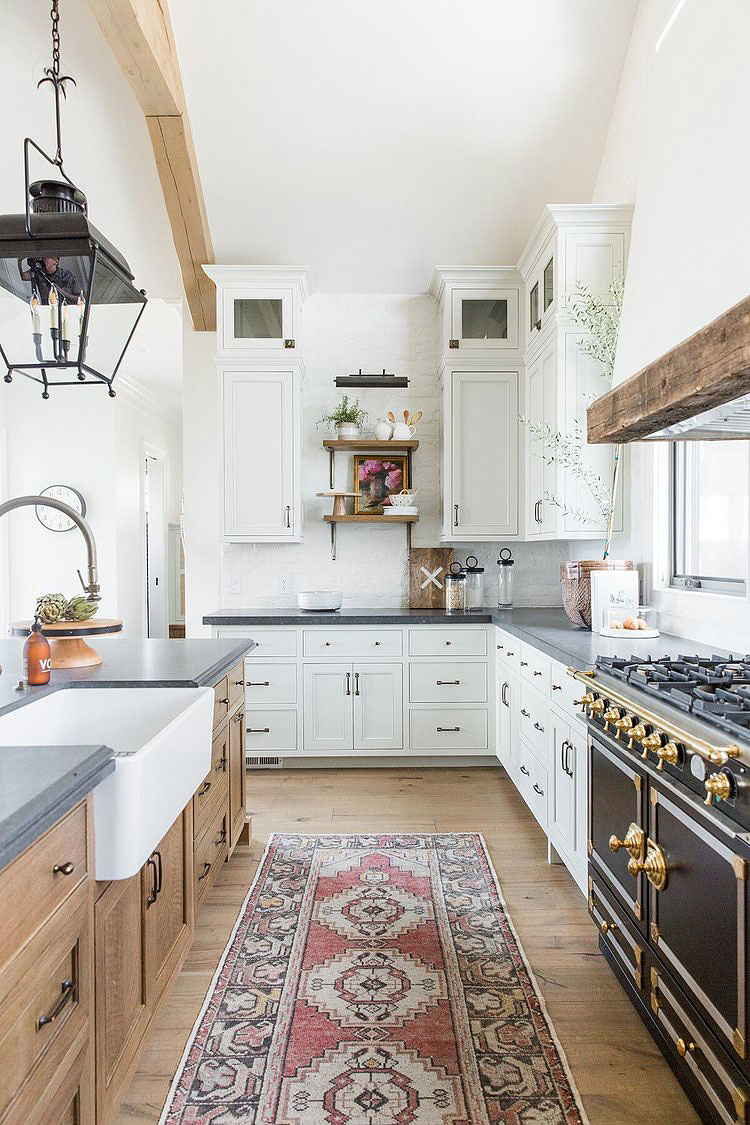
678 144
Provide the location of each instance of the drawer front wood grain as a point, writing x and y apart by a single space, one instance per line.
47 997
215 786
344 644
210 850
446 681
41 878
272 644
221 701
453 640
271 683
236 684
448 728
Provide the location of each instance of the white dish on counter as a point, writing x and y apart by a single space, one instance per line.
403 510
320 601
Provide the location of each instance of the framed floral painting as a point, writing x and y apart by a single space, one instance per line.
376 479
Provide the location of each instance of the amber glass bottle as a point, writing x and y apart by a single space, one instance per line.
36 656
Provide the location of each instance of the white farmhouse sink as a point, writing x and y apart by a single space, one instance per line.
162 743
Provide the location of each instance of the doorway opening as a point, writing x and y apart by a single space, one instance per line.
155 539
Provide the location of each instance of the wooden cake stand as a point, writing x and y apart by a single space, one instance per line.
68 648
339 499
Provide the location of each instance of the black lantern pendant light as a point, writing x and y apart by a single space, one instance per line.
68 306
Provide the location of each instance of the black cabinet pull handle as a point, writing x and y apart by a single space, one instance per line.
204 788
206 869
288 515
445 730
63 868
151 896
257 683
539 727
239 716
504 694
348 683
536 673
356 683
258 730
67 988
501 646
447 683
222 837
239 683
524 663
221 765
557 687
225 702
455 515
538 790
525 771
525 713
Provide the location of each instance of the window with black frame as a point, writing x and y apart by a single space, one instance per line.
709 515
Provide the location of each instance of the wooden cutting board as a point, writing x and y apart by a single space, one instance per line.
427 570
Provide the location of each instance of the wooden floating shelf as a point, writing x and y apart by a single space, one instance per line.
358 444
371 519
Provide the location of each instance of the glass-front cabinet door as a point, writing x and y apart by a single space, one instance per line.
484 319
254 319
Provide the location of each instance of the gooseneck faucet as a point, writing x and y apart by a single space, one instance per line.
92 587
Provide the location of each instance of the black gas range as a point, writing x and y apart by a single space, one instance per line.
689 717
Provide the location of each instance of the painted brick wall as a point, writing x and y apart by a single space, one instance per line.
344 332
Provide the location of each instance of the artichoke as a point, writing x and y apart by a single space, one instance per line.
51 608
80 609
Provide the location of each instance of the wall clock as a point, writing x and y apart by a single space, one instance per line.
50 517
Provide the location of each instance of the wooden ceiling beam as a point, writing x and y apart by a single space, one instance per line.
706 370
140 36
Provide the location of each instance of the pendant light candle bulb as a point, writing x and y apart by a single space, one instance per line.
36 323
65 325
81 313
53 310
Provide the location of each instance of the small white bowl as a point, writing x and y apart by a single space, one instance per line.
403 499
320 600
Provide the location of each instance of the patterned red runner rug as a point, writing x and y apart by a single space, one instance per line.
373 980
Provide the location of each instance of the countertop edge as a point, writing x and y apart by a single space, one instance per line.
217 670
30 821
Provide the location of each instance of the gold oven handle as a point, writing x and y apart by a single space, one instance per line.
633 843
654 866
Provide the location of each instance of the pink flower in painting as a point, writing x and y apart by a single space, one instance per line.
369 469
393 480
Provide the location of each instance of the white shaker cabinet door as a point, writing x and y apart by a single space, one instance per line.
541 409
261 456
378 707
507 719
482 447
328 712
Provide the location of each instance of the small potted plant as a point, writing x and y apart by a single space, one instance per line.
348 417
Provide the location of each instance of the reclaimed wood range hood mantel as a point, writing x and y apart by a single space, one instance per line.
698 390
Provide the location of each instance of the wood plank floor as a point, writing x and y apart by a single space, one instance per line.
621 1076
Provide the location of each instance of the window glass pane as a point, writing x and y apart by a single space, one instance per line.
257 319
711 510
534 306
549 283
484 320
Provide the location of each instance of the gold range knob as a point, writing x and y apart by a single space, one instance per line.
587 700
611 716
718 785
633 843
623 724
650 742
668 754
597 707
654 866
683 1047
607 927
636 734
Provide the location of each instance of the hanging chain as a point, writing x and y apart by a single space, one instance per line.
55 14
57 80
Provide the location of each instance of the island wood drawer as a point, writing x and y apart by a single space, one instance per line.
209 852
453 640
350 643
46 995
215 786
268 732
535 668
532 782
271 683
221 701
271 644
448 728
236 678
448 682
41 878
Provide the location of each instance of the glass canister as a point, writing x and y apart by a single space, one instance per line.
474 583
455 589
506 562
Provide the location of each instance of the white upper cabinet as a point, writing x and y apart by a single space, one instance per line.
480 455
480 310
261 451
259 309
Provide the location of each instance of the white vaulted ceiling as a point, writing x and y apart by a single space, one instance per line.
372 139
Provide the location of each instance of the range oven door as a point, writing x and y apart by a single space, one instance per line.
616 823
698 918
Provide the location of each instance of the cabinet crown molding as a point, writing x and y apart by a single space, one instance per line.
260 277
482 277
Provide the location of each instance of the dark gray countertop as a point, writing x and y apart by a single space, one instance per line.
548 629
39 784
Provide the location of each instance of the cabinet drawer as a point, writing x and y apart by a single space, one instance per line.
46 999
624 944
236 679
271 683
271 644
339 643
534 722
270 731
215 786
507 651
448 682
221 701
209 851
535 668
564 690
448 728
532 782
35 879
451 640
